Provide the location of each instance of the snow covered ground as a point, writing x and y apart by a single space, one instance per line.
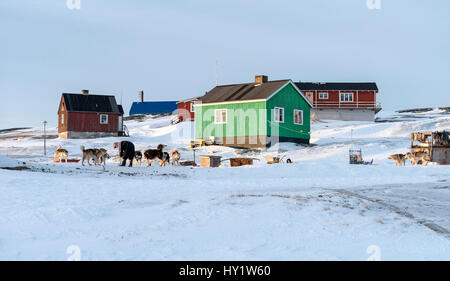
318 208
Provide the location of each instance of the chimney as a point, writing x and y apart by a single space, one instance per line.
141 95
85 92
260 79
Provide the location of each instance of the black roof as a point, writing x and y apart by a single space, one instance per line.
238 92
121 109
311 86
91 103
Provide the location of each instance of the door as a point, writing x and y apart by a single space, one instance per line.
120 129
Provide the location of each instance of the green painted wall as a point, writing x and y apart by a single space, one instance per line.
249 120
255 118
289 99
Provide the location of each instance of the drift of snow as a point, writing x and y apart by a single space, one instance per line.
318 208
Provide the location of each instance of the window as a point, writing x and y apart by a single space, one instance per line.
346 97
323 96
279 114
298 117
62 119
103 119
192 107
220 116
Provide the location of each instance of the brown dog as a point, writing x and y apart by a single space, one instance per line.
88 154
102 155
154 154
418 158
399 159
61 153
175 157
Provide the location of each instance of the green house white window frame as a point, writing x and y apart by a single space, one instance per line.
104 119
298 114
220 116
278 114
346 97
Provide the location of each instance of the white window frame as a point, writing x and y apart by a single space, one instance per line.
62 118
192 107
323 93
301 112
104 122
216 121
275 115
346 93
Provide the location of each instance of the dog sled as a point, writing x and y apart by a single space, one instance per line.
356 158
62 160
274 159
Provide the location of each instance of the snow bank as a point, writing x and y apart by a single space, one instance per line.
8 162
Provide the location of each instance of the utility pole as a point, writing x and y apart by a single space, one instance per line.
45 137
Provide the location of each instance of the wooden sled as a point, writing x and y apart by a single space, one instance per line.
274 160
62 160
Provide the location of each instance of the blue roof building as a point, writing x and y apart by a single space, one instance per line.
153 107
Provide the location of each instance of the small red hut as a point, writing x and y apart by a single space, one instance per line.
89 116
186 110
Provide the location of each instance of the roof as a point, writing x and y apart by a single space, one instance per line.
239 92
153 107
191 99
312 86
91 103
121 109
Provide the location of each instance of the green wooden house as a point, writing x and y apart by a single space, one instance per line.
257 114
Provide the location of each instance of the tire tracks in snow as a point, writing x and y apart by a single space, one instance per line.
429 224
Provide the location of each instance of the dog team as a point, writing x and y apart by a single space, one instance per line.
417 158
127 152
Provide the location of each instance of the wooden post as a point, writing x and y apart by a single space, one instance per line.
45 138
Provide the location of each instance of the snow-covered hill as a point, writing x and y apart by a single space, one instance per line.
319 207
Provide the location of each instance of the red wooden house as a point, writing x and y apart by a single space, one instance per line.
342 101
89 116
185 110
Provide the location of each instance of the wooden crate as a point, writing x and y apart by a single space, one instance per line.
210 161
237 162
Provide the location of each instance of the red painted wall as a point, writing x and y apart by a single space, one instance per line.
90 122
184 111
361 99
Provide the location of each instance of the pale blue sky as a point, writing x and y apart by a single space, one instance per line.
169 49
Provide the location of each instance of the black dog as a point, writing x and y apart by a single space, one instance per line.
154 154
138 157
127 152
165 159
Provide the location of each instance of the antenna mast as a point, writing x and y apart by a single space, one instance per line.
217 72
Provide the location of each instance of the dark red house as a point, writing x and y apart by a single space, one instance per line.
342 101
89 116
186 110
